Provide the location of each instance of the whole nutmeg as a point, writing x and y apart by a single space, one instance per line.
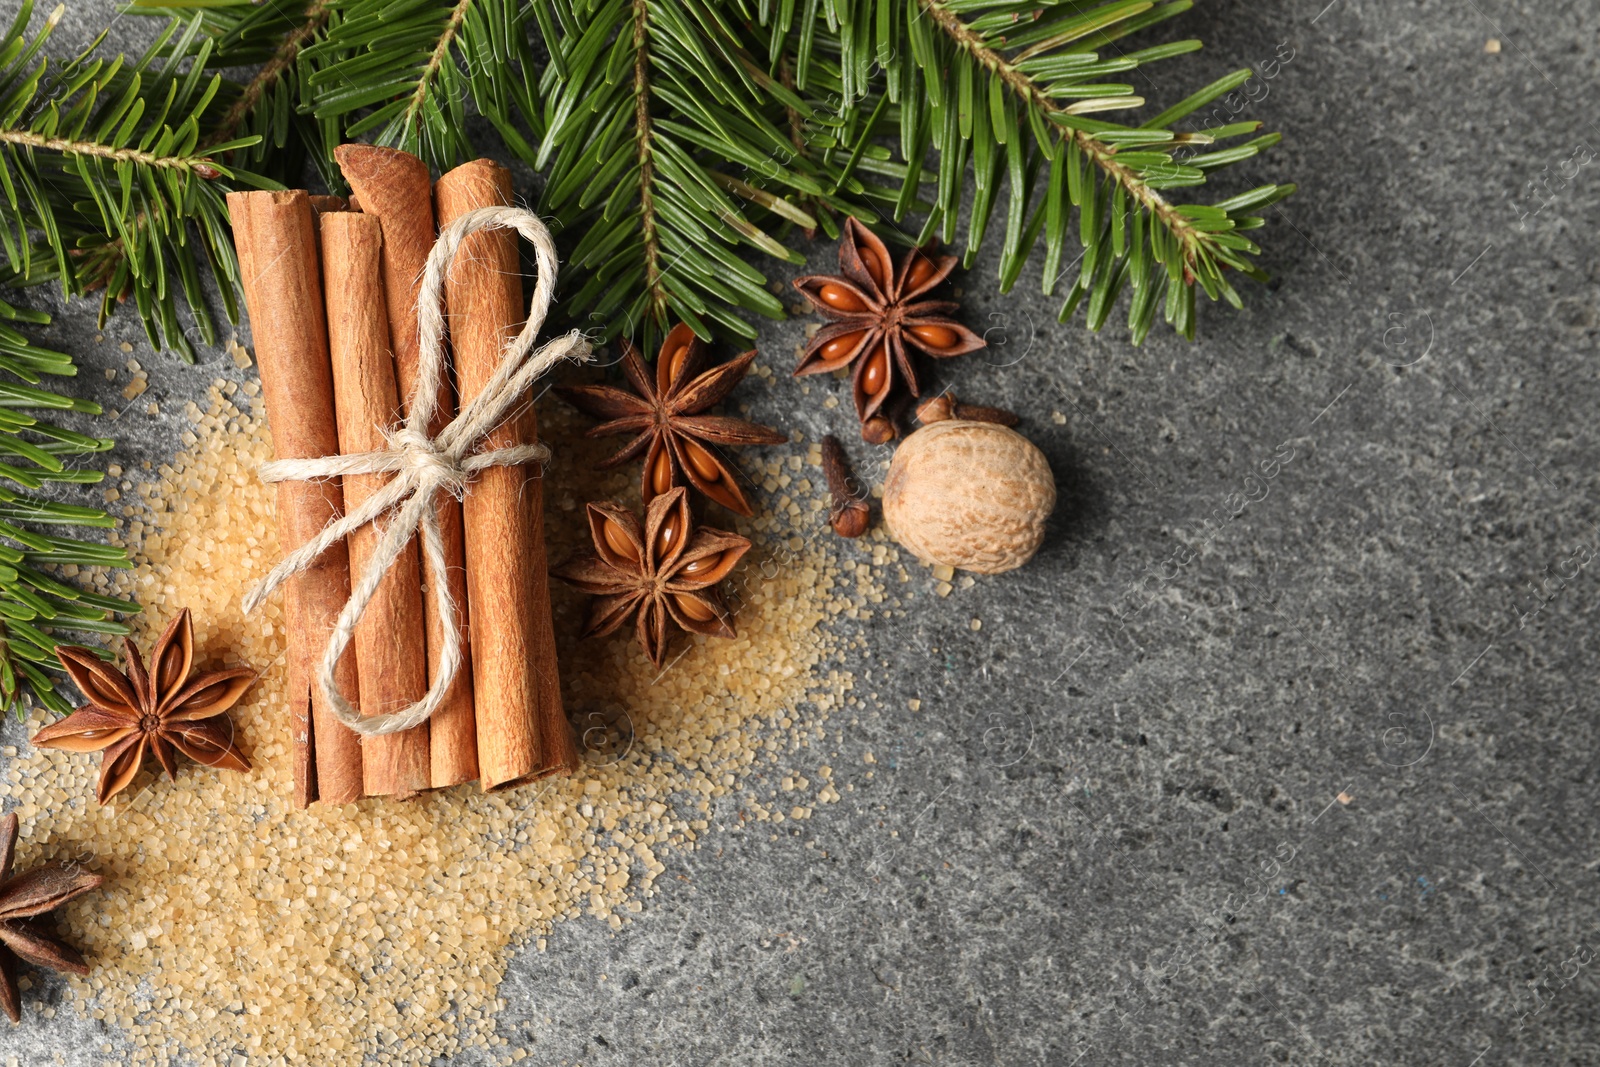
968 494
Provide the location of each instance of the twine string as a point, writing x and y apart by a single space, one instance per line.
423 466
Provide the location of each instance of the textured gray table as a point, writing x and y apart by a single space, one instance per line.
1115 832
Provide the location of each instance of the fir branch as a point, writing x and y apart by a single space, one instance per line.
1009 95
38 610
656 300
842 152
274 72
669 152
630 135
412 115
201 165
1103 155
272 37
402 72
237 37
105 182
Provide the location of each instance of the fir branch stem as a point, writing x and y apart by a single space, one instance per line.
1103 155
281 63
200 165
441 52
647 212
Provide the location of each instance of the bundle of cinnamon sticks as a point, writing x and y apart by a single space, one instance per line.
331 287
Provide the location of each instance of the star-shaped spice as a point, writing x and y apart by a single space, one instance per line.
666 572
157 711
26 901
877 312
665 415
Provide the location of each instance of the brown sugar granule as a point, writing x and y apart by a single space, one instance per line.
232 925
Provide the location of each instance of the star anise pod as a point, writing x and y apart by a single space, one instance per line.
877 312
25 903
664 412
666 572
157 711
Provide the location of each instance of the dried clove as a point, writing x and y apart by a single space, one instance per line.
946 406
848 515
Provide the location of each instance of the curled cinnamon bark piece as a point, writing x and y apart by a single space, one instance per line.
280 271
391 649
395 187
522 730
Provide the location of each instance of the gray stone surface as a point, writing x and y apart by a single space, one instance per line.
1307 782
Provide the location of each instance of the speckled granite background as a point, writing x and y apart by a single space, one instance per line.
1280 752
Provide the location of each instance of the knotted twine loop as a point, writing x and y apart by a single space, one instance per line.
423 466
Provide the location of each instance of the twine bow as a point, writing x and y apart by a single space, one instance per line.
423 467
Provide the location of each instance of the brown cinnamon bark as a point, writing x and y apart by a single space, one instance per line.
278 266
394 187
391 647
522 731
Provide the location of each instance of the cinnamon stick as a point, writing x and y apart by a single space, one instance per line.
394 187
278 266
522 731
391 649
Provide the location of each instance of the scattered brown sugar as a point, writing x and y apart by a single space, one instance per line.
231 925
